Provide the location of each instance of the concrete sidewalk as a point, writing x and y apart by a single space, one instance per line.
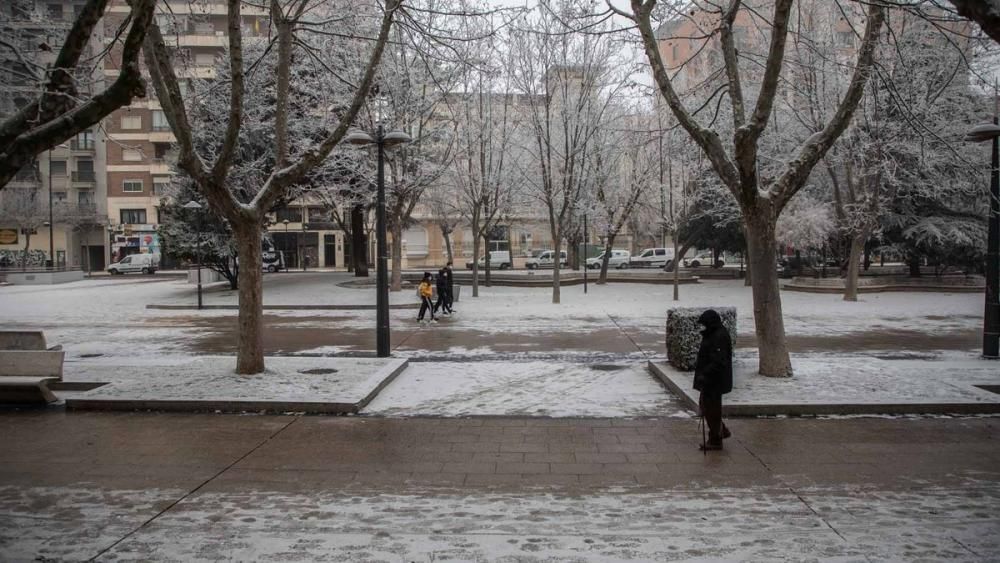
120 486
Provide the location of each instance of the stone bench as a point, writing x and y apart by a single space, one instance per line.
27 367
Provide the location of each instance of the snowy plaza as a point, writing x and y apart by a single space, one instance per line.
519 430
511 281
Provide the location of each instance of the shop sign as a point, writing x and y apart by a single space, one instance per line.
8 236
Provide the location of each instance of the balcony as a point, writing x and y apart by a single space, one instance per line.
82 144
84 177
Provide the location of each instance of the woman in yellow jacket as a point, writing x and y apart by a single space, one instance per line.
426 291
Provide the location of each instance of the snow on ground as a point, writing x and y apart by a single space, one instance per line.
853 347
830 524
212 379
525 389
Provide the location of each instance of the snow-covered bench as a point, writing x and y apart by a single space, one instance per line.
27 366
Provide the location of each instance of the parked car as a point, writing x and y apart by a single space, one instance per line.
619 259
652 258
499 259
273 261
546 259
704 259
141 263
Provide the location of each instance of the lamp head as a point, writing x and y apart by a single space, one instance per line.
358 137
192 205
983 132
395 138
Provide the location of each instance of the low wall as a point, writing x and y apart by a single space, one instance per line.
43 277
956 283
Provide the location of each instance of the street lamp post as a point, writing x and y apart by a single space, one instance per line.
382 140
585 254
285 244
302 244
991 316
194 205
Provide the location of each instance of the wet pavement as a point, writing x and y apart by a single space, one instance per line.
76 486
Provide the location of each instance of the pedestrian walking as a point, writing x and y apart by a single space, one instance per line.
442 291
451 288
713 376
426 292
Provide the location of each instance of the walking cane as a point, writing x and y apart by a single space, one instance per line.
704 444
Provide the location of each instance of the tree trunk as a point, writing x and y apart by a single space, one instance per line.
768 320
677 270
475 258
250 351
396 281
914 264
24 253
447 244
603 279
486 260
854 265
573 253
359 242
556 267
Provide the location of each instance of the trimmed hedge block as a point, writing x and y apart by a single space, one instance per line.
684 333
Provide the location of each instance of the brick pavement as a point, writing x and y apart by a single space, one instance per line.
293 453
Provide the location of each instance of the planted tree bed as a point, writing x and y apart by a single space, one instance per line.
946 284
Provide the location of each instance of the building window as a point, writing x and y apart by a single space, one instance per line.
132 186
131 122
85 197
845 38
160 151
55 11
84 171
84 141
318 215
416 241
161 185
59 197
133 216
160 121
131 155
204 59
290 214
57 167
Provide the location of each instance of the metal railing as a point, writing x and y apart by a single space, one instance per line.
82 144
84 176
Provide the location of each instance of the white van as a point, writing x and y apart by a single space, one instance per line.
499 259
547 259
652 258
619 259
140 263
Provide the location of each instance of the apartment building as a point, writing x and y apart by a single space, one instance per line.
67 176
140 153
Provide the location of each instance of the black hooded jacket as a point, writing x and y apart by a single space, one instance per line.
714 371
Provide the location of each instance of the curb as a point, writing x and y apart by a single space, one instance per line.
682 389
282 307
378 381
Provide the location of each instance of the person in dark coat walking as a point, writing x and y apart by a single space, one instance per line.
442 291
451 287
713 376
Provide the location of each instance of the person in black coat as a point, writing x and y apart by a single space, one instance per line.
442 291
713 375
451 287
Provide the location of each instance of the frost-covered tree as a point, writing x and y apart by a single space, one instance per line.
193 234
624 169
58 100
303 37
761 198
567 82
26 210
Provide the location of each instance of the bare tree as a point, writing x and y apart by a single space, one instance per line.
23 209
624 170
290 23
761 202
567 81
59 111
